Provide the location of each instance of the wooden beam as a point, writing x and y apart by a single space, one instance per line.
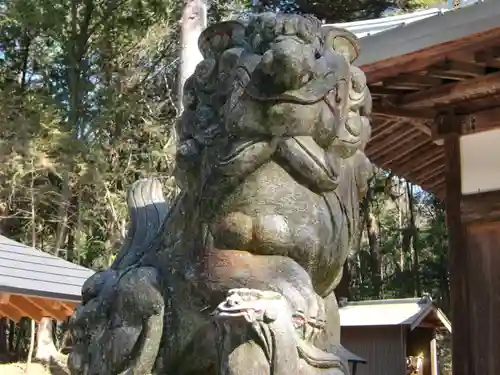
381 90
445 94
423 114
427 166
435 182
405 149
11 312
415 119
430 174
411 81
480 121
70 307
456 69
4 298
55 312
388 129
426 161
28 309
484 120
379 125
488 57
409 162
390 143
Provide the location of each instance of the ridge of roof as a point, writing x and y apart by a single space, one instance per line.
388 301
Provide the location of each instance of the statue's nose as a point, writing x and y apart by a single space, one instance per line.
286 65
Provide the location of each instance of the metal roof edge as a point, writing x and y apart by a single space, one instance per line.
400 18
41 294
420 35
384 301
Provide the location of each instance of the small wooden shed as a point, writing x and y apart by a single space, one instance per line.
35 284
390 333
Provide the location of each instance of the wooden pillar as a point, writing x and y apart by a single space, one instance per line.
473 218
434 356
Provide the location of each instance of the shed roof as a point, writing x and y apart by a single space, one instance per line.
410 312
31 272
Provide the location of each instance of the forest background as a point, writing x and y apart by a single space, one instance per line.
88 101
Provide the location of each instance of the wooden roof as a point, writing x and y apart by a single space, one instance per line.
444 65
36 284
17 306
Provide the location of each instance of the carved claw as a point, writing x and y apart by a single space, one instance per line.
251 304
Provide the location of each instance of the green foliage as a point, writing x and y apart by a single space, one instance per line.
342 10
87 109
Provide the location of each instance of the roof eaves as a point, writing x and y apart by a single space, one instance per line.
42 294
425 312
384 301
449 26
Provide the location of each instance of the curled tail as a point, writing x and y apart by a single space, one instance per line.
148 211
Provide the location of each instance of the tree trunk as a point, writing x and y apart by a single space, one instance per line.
342 290
46 349
414 241
194 21
12 335
21 335
3 335
372 231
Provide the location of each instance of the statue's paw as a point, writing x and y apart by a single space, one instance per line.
252 305
314 317
119 326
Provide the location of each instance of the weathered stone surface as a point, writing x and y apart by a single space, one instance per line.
237 276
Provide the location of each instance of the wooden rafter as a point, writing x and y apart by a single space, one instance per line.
378 125
423 148
11 312
4 298
405 148
15 306
411 81
434 183
428 174
53 309
456 70
381 90
390 143
488 57
382 131
393 111
424 162
446 94
28 308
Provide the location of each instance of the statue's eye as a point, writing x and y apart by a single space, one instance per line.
317 55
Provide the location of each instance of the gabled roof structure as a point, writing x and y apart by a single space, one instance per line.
36 284
421 67
410 312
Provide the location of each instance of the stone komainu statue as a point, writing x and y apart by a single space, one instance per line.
236 275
